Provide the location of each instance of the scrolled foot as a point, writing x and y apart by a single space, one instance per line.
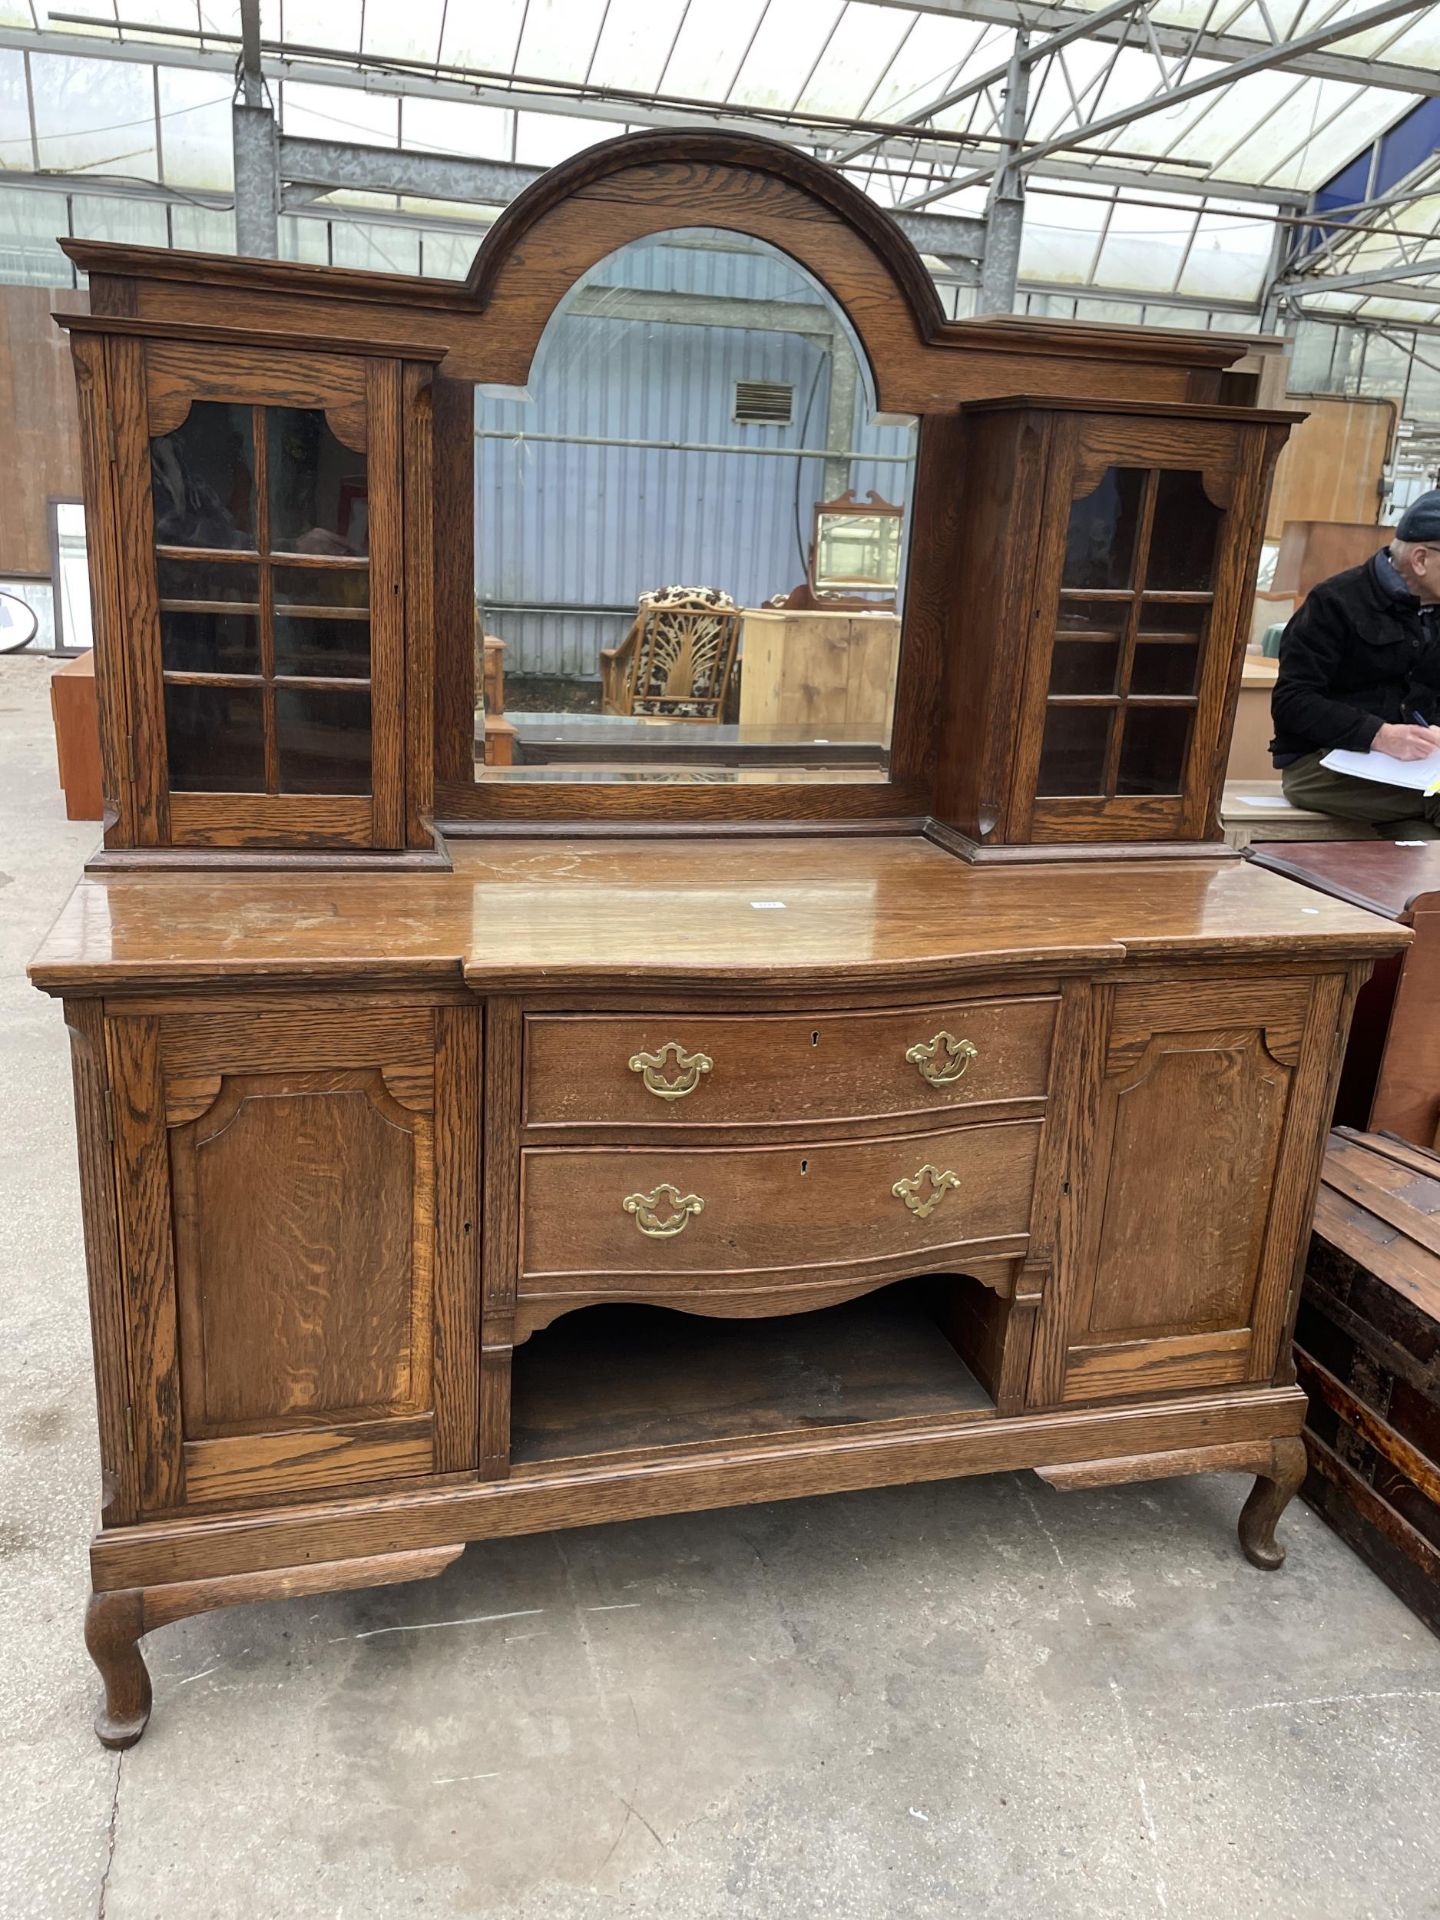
1273 1491
114 1622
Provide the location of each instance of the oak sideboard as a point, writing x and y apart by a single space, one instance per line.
475 1150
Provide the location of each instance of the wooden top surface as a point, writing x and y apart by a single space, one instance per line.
1383 876
733 912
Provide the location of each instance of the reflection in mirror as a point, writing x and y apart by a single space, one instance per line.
691 532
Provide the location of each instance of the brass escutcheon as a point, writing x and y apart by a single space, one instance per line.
688 1069
939 1183
645 1208
942 1060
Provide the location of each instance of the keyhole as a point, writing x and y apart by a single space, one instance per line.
804 1166
814 1039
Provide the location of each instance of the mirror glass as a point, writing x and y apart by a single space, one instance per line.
691 532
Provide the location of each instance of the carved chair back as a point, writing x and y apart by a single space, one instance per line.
676 661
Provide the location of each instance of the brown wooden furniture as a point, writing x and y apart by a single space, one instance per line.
1367 1345
819 670
854 561
1249 757
1391 1081
77 736
980 1139
498 733
676 659
1313 550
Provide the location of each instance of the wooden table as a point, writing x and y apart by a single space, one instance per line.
1391 1081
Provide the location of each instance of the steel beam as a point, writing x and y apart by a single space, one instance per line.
257 182
328 164
1179 41
1371 277
1164 98
1005 209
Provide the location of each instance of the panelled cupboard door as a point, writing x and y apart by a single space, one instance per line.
1200 1178
258 498
298 1225
1141 574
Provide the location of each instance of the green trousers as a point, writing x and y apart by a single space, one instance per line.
1396 813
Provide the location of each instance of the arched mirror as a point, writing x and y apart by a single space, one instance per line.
691 532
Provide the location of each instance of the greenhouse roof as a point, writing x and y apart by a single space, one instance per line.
1168 145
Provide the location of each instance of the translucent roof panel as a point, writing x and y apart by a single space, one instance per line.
869 84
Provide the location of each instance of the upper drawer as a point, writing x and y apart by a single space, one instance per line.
703 1070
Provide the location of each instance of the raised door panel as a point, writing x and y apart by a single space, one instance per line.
311 1255
1185 1248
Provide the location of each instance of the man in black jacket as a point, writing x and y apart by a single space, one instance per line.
1360 668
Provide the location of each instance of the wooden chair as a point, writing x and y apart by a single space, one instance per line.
677 660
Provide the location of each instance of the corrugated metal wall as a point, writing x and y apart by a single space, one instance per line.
561 525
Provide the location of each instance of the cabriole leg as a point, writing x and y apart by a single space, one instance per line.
114 1622
1273 1491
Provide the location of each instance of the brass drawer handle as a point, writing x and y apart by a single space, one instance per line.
688 1069
942 1060
909 1190
645 1208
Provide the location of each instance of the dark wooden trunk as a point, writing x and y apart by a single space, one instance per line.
1367 1349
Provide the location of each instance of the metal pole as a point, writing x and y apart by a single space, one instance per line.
257 148
1005 211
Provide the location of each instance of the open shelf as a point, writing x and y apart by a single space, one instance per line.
611 1378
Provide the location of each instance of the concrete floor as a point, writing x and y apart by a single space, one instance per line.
981 1698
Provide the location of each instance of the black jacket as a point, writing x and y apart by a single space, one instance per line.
1354 655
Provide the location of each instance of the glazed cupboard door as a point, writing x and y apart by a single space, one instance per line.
259 508
298 1230
1201 1158
1146 556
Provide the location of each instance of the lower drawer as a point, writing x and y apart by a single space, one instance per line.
695 1212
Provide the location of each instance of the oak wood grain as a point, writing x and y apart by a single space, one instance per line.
547 914
540 1498
147 1258
774 1069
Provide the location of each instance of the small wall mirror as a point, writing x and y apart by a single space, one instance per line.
690 532
857 550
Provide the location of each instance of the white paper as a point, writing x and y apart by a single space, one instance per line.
1415 774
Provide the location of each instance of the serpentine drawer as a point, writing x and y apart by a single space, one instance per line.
705 1215
703 1070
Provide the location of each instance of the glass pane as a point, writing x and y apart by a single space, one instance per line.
1183 536
318 494
314 644
234 583
215 739
1087 645
321 586
210 642
1084 666
1072 756
324 740
1100 548
1164 666
1152 753
1167 648
202 478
